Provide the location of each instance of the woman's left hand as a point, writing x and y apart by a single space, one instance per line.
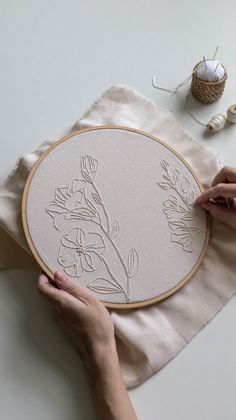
83 318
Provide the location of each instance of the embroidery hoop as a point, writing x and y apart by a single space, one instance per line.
44 266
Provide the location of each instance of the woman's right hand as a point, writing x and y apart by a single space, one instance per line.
218 200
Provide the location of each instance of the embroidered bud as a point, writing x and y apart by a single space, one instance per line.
89 167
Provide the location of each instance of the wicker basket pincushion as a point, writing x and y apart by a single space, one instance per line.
207 92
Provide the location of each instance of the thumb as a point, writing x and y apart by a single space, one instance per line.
220 213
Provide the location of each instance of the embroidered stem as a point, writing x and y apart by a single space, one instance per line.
114 279
117 252
104 209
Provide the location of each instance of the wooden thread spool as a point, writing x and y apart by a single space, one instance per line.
231 114
216 123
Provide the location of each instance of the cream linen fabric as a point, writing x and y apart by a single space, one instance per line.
147 338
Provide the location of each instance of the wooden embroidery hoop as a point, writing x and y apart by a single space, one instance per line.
46 269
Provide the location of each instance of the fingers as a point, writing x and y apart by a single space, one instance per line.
47 289
219 190
227 174
223 185
64 292
220 213
52 293
68 286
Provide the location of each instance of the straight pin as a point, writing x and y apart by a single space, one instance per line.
215 53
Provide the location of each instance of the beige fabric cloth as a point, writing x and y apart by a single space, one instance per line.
147 338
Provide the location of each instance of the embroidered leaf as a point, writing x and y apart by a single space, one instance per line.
166 177
194 229
187 217
190 197
164 185
181 209
185 184
115 229
173 199
133 262
92 208
176 176
169 212
86 177
58 217
176 223
104 286
164 164
97 198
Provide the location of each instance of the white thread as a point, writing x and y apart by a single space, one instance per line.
174 90
216 123
191 113
231 114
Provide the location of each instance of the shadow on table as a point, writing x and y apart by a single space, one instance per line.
44 338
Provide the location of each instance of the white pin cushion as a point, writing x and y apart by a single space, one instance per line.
112 208
210 70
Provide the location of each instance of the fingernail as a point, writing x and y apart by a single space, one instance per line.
59 276
198 200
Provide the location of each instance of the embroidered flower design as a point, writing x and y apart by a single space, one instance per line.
179 209
76 194
70 203
80 251
184 234
172 206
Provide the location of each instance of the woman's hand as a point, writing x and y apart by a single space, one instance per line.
85 321
89 326
218 200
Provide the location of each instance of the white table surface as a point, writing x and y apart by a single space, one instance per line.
56 58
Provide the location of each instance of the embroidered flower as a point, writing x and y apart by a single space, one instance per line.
172 206
76 194
89 167
179 207
70 203
184 234
80 251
